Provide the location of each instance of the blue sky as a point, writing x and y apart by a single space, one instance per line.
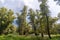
17 5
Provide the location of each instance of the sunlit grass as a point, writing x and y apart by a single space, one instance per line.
23 37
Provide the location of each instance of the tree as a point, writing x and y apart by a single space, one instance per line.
10 29
21 21
57 28
52 22
32 18
6 18
45 11
40 22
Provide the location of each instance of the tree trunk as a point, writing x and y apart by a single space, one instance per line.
41 28
42 32
48 26
42 35
35 30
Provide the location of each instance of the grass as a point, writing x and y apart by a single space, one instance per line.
17 37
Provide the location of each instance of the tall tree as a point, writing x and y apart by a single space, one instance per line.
21 21
45 12
32 18
40 22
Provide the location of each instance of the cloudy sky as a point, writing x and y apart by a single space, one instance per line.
17 5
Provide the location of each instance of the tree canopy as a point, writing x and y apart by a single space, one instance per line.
6 18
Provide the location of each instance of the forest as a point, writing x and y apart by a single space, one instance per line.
30 24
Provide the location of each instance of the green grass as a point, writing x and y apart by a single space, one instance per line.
17 37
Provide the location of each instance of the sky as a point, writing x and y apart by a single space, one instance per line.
17 5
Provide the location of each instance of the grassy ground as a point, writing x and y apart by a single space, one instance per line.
17 37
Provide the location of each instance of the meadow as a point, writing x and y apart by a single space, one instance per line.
22 37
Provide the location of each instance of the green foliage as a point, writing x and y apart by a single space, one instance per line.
21 21
10 29
16 37
45 14
6 18
57 27
52 24
33 21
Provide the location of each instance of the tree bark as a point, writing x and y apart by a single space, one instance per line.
48 26
42 34
41 28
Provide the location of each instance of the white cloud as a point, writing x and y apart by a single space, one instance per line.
13 4
16 5
28 1
32 4
2 1
54 8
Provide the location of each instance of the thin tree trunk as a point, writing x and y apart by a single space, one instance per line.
41 29
48 26
35 30
42 34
